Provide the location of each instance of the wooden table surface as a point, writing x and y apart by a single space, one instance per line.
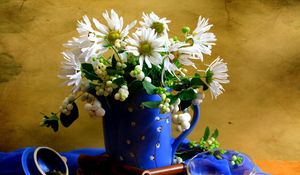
279 167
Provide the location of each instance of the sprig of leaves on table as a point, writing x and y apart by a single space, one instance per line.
208 143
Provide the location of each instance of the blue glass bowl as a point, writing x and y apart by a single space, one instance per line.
42 160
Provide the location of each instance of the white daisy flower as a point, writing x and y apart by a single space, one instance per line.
160 25
180 51
93 43
71 70
115 30
147 45
216 73
88 43
203 39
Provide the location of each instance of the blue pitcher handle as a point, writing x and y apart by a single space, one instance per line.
185 133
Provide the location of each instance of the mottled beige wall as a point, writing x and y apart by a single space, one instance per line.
260 39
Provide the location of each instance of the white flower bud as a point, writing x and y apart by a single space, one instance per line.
179 128
148 79
91 113
185 125
71 98
88 106
138 67
117 96
132 73
184 117
140 76
108 83
176 109
175 119
119 64
100 112
64 111
97 104
69 107
61 108
65 102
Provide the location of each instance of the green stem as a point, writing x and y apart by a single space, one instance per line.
114 49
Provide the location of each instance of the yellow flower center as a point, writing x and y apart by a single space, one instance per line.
176 56
158 27
113 36
145 48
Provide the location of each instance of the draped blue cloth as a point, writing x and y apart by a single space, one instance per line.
10 163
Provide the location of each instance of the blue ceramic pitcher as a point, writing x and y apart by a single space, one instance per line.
139 136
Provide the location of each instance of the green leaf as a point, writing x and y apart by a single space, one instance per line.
178 87
88 71
172 98
185 104
205 87
187 95
192 144
51 121
135 85
196 82
67 120
119 81
113 61
206 134
150 88
151 104
112 71
184 83
215 134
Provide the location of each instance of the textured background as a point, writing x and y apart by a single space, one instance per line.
260 39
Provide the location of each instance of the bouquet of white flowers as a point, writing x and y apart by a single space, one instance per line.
108 61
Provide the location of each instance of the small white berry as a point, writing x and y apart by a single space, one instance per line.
148 79
100 112
175 119
185 125
179 128
184 117
138 67
141 76
69 107
71 98
88 106
117 96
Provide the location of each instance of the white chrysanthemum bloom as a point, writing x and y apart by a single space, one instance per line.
203 39
216 73
88 43
115 30
147 45
93 43
182 52
160 25
71 70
